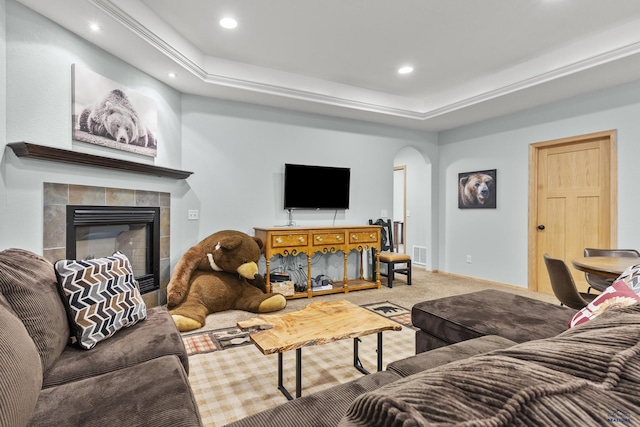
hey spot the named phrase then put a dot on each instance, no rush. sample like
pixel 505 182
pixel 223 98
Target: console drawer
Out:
pixel 371 236
pixel 288 240
pixel 329 238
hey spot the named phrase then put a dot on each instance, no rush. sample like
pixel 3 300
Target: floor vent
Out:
pixel 419 255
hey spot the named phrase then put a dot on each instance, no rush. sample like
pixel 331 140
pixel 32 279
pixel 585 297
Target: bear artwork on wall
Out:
pixel 477 189
pixel 111 115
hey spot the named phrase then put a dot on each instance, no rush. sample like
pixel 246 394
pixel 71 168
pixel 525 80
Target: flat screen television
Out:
pixel 316 187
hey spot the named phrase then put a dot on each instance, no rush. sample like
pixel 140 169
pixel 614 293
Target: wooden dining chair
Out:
pixel 564 288
pixel 600 283
pixel 395 262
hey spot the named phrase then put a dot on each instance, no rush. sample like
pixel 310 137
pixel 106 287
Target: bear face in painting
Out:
pixel 476 190
pixel 115 118
pixel 121 125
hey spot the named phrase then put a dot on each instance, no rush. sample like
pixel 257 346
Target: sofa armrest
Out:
pixel 20 369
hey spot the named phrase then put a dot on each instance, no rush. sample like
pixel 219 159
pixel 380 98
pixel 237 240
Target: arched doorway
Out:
pixel 412 204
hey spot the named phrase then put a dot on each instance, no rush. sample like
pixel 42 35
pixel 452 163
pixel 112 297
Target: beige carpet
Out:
pixel 234 383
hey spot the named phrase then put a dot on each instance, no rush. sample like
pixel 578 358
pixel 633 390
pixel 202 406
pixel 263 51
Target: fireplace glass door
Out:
pixel 98 231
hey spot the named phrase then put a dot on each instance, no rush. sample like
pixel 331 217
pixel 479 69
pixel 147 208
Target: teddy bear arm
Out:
pixel 179 284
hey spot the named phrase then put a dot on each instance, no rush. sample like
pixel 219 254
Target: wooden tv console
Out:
pixel 295 240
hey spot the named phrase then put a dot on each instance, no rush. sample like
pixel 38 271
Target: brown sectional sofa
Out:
pixel 137 377
pixel 515 364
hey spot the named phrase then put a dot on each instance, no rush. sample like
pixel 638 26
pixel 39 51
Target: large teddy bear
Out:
pixel 219 273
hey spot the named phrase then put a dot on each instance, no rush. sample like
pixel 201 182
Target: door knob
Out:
pixel 541 227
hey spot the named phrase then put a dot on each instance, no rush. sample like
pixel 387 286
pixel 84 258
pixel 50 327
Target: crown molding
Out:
pixel 416 109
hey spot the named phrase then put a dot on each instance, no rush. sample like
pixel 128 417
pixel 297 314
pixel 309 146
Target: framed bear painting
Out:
pixel 108 114
pixel 477 190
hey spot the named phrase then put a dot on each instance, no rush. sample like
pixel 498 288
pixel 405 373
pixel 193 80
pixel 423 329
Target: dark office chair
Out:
pixel 396 263
pixel 601 283
pixel 563 285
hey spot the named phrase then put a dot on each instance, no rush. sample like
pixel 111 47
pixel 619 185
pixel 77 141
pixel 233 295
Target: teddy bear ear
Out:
pixel 230 243
pixel 259 242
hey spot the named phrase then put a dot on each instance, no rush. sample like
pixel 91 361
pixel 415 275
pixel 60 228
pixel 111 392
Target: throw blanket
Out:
pixel 586 376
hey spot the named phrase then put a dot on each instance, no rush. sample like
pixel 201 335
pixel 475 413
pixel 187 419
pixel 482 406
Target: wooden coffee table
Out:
pixel 319 323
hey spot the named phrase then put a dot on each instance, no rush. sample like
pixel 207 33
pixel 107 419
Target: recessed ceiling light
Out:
pixel 173 75
pixel 228 23
pixel 405 70
pixel 95 27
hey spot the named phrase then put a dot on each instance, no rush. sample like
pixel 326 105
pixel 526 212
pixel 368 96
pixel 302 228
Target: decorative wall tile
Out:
pixel 147 198
pixel 56 194
pixel 165 221
pixel 85 195
pixel 165 200
pixel 55 226
pixel 165 246
pixel 120 197
pixel 53 255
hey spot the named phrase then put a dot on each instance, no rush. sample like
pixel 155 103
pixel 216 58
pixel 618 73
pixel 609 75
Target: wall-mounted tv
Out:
pixel 316 187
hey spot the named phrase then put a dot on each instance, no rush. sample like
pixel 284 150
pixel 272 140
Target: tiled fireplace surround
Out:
pixel 58 196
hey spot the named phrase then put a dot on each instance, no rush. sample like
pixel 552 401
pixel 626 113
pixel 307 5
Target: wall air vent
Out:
pixel 419 256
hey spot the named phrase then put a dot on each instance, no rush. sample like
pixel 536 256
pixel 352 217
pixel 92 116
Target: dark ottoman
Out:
pixel 458 318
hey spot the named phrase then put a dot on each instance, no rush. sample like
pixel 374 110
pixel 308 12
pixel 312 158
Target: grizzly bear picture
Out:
pixel 114 117
pixel 477 189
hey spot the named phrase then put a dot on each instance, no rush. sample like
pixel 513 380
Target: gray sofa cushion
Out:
pixel 153 337
pixel 489 312
pixel 153 393
pixel 588 375
pixel 20 370
pixel 29 284
pixel 322 409
pixel 440 356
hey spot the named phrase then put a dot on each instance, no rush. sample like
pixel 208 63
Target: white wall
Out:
pixel 497 239
pixel 237 151
pixel 240 151
pixel 3 116
pixel 38 98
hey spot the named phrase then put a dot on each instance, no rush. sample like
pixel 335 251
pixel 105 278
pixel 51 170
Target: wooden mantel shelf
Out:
pixel 35 151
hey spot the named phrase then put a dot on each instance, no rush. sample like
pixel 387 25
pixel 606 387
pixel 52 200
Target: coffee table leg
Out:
pixel 281 386
pixel 356 358
pixel 379 351
pixel 298 372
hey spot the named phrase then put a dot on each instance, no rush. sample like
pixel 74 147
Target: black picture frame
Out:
pixel 477 189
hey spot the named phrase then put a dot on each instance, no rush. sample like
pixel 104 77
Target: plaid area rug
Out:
pixel 216 340
pixel 240 381
pixel 226 338
pixel 391 311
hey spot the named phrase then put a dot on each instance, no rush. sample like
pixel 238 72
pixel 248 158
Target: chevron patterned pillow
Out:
pixel 101 297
